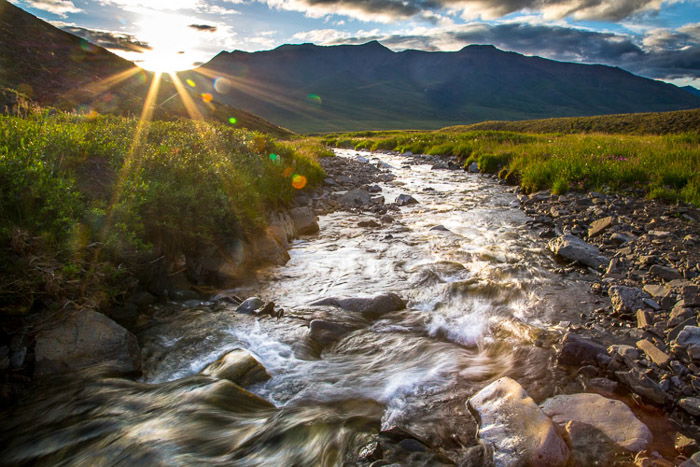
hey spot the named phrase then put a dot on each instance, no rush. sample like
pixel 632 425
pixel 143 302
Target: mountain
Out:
pixel 313 88
pixel 54 68
pixel 693 90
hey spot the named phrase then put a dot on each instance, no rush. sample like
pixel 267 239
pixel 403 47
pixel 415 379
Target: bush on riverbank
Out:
pixel 84 199
pixel 661 166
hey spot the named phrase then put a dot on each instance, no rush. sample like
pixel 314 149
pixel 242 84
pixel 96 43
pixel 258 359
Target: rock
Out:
pixel 644 319
pixel 684 444
pixel 238 366
pixel 599 226
pixel 374 189
pixel 626 300
pixel 691 295
pixel 440 228
pixel 473 168
pixel 573 248
pixel 369 223
pixel 665 273
pixel 404 200
pixel 361 159
pixel 327 333
pixel 304 219
pixel 357 197
pixel 690 405
pixel 689 341
pixel 83 339
pixel 655 354
pixel 373 307
pixel 577 350
pixel 590 446
pixel 515 428
pixel 641 384
pixel 693 461
pixel 183 295
pixel 142 299
pixel 619 238
pixel 17 357
pixel 250 305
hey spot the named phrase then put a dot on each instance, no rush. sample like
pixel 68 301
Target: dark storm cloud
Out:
pixel 108 39
pixel 203 27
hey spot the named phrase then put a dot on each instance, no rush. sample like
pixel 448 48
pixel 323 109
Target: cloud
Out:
pixel 57 7
pixel 662 54
pixel 109 39
pixel 391 10
pixel 203 27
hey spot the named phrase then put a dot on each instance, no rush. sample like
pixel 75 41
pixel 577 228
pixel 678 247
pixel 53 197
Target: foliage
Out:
pixel 70 183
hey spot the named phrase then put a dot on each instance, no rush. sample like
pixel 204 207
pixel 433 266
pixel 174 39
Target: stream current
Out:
pixel 481 301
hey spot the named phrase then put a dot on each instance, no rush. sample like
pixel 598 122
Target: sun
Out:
pixel 171 43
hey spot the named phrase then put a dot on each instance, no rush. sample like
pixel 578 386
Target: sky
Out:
pixel 657 39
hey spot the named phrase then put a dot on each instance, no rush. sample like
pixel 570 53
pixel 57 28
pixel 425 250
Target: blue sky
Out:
pixel 653 38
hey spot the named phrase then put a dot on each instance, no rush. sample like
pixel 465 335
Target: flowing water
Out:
pixel 481 303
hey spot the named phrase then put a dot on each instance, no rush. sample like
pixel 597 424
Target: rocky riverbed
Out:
pixel 437 318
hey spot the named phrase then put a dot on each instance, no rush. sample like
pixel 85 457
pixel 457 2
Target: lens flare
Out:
pixel 314 99
pixel 191 83
pixel 222 85
pixel 233 120
pixel 206 97
pixel 275 158
pixel 298 181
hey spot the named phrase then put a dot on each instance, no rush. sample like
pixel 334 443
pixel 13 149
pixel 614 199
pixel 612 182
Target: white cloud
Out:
pixel 57 7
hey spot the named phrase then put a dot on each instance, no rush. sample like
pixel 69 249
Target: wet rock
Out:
pixel 664 272
pixel 690 405
pixel 357 197
pixel 439 228
pixel 83 339
pixel 327 333
pixel 238 366
pixel 693 461
pixel 304 219
pixel 250 305
pixel 655 354
pixel 405 200
pixel 573 248
pixel 611 417
pixel 599 226
pixel 473 168
pixel 641 384
pixel 373 307
pixel 626 300
pixel 688 340
pixel 684 444
pixel 577 350
pixel 374 189
pixel 515 428
pixel 369 223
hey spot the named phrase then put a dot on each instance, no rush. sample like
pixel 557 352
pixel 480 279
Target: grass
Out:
pixel 657 166
pixel 74 186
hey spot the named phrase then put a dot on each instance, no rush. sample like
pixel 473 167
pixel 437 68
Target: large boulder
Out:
pixel 84 338
pixel 326 332
pixel 304 219
pixel 573 248
pixel 355 198
pixel 577 351
pixel 515 427
pixel 610 417
pixel 372 307
pixel 238 366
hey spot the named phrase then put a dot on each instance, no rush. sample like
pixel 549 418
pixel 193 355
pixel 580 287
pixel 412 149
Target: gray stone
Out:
pixel 327 333
pixel 83 339
pixel 611 417
pixel 573 248
pixel 599 226
pixel 304 219
pixel 440 228
pixel 404 200
pixel 250 305
pixel 238 366
pixel 369 307
pixel 691 295
pixel 689 341
pixel 665 273
pixel 357 197
pixel 626 300
pixel 641 384
pixel 690 405
pixel 473 168
pixel 577 350
pixel 515 428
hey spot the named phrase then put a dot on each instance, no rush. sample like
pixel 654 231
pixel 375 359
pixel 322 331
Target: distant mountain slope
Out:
pixel 656 123
pixel 312 88
pixel 693 90
pixel 55 68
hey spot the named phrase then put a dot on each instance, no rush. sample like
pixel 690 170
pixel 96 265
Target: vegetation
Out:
pixel 658 166
pixel 85 201
pixel 653 123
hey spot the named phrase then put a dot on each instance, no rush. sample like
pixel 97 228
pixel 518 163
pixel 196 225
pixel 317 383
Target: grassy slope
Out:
pixel 658 166
pixel 72 186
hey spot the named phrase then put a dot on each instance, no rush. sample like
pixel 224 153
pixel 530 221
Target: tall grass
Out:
pixel 660 166
pixel 69 183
